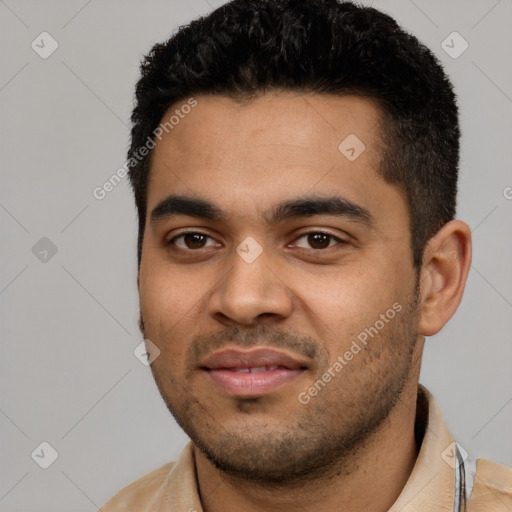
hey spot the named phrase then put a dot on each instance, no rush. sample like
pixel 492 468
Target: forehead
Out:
pixel 254 153
pixel 281 119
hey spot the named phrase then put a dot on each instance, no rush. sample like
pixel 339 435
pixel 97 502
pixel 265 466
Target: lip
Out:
pixel 252 373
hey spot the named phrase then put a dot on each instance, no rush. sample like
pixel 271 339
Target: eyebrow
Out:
pixel 175 205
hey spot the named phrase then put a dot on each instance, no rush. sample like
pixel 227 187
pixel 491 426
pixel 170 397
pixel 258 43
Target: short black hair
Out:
pixel 248 47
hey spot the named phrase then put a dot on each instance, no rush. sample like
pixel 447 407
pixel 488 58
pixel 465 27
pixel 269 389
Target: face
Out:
pixel 277 281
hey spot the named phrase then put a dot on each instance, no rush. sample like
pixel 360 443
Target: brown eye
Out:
pixel 192 241
pixel 318 240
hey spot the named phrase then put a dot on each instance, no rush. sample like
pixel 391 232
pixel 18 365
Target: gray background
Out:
pixel 69 324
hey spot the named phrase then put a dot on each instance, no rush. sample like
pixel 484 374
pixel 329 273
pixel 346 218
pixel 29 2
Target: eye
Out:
pixel 192 241
pixel 318 240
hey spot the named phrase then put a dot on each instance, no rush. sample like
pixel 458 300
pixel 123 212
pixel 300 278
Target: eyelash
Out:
pixel 171 242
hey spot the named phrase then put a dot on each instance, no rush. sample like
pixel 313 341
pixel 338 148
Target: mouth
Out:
pixel 254 373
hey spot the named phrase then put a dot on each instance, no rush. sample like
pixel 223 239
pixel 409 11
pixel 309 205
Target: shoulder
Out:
pixel 492 487
pixel 138 494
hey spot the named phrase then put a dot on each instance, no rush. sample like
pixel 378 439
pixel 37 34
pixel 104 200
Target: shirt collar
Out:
pixel 431 485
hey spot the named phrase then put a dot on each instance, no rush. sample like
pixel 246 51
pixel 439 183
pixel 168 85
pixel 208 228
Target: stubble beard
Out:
pixel 316 439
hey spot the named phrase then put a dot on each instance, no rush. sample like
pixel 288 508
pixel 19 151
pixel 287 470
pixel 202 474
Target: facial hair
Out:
pixel 312 438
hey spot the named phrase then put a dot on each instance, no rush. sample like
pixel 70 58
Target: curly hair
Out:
pixel 248 47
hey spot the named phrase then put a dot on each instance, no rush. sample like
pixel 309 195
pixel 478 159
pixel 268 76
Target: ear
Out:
pixel 445 268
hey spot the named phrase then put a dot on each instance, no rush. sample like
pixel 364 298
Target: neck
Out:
pixel 372 479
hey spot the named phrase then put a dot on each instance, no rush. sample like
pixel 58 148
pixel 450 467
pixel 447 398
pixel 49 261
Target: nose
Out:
pixel 250 291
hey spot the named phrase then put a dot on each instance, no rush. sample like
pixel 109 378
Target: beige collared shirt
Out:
pixel 433 486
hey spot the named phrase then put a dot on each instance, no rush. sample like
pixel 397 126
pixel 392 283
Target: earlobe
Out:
pixel 446 263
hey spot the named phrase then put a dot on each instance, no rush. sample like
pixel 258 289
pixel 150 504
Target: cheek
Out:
pixel 164 299
pixel 339 306
pixel 170 304
pixel 347 293
pixel 163 309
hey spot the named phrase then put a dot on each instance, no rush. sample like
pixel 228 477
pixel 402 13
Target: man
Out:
pixel 294 166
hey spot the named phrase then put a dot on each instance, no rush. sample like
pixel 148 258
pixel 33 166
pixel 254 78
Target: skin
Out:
pixel 353 444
